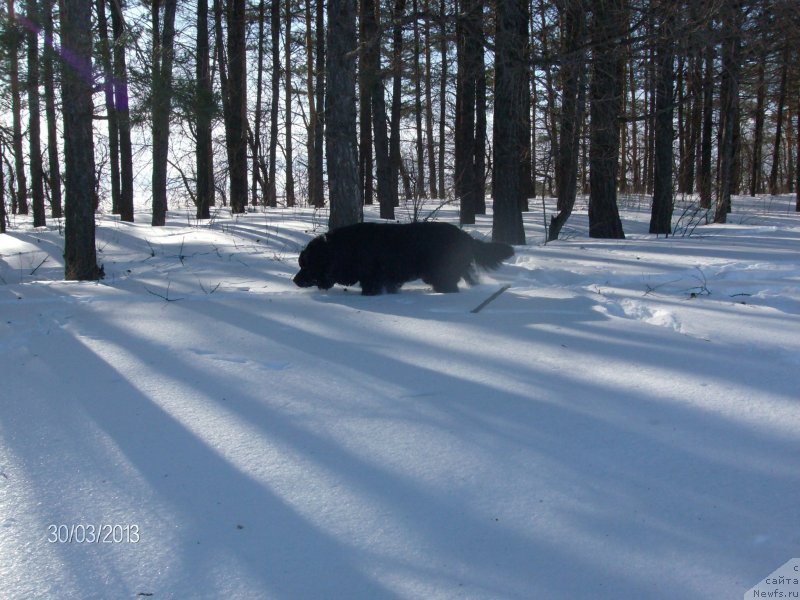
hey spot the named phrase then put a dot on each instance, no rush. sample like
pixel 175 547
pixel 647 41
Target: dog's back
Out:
pixel 384 256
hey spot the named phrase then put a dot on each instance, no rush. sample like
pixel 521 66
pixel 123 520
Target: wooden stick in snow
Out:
pixel 490 298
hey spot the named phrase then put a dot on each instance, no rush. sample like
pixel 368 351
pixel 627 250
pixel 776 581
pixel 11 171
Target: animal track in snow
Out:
pixel 654 316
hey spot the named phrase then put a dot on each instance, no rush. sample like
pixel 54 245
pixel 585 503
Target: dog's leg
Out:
pixel 371 287
pixel 445 286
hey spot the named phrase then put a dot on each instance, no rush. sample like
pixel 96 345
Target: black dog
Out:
pixel 384 256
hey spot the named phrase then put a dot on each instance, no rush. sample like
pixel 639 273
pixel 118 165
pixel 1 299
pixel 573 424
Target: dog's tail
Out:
pixel 489 255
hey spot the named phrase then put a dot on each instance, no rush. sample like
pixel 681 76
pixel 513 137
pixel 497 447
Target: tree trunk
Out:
pixel 758 134
pixel 434 192
pixel 163 54
pixel 442 92
pixel 318 184
pixel 19 204
pixel 789 162
pixel 342 155
pixel 381 150
pixel 258 182
pixel 80 255
pixel 467 36
pixel 479 159
pixel 419 189
pixel 635 161
pixel 695 119
pixel 774 188
pixel 650 102
pixel 623 138
pixel 680 93
pixel 236 131
pixel 729 108
pixel 527 166
pixel 54 165
pixel 111 113
pixel 365 157
pixel 34 122
pixel 373 86
pixel 704 176
pixel 510 136
pixel 289 147
pixel 550 119
pixel 123 115
pixel 204 112
pixel 608 29
pixel 573 76
pixel 661 214
pixel 2 201
pixel 222 67
pixel 275 25
pixel 312 105
pixel 797 163
pixel 394 122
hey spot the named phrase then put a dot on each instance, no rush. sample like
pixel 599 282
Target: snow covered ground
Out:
pixel 623 422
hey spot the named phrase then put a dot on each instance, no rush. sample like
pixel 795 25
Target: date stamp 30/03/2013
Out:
pixel 90 533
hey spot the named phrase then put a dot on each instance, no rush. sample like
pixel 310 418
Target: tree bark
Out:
pixel 661 213
pixel 123 114
pixel 774 188
pixel 797 163
pixel 607 64
pixel 111 113
pixel 222 67
pixel 54 164
pixel 312 104
pixel 758 133
pixel 342 155
pixel 80 255
pixel 258 182
pixel 434 192
pixel 510 136
pixel 34 126
pixel 650 103
pixel 289 146
pixel 695 119
pixel 318 183
pixel 635 160
pixel 365 156
pixel 443 38
pixel 550 116
pixel 204 111
pixel 275 25
pixel 19 204
pixel 373 88
pixel 729 108
pixel 704 175
pixel 163 54
pixel 394 121
pixel 236 131
pixel 2 201
pixel 479 158
pixel 419 188
pixel 467 36
pixel 573 75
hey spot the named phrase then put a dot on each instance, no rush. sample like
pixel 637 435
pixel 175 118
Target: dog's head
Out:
pixel 316 265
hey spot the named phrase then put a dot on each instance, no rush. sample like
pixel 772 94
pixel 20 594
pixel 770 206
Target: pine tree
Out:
pixel 510 135
pixel 608 27
pixel 342 155
pixel 80 255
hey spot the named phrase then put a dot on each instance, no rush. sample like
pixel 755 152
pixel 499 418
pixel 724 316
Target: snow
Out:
pixel 621 423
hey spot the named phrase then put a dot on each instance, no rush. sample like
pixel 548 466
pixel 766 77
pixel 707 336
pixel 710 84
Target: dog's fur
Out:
pixel 384 256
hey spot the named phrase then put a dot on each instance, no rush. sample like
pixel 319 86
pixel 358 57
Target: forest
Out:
pixel 133 107
pixel 610 414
